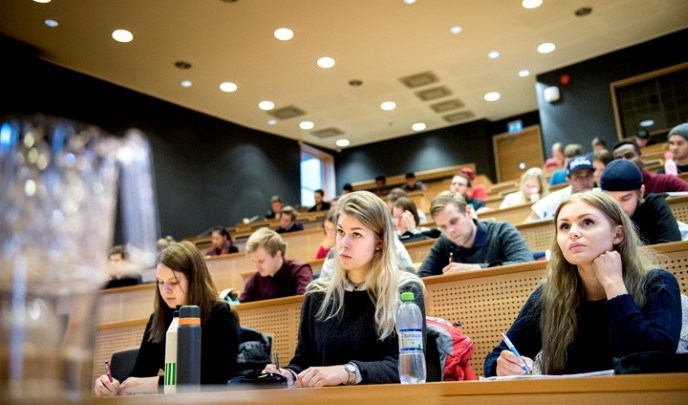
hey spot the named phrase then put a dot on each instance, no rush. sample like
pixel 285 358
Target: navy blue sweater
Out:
pixel 607 329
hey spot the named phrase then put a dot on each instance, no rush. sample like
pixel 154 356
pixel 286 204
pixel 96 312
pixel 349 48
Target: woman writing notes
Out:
pixel 603 297
pixel 346 334
pixel 183 279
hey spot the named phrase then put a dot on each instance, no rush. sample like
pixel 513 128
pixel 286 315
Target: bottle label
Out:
pixel 170 373
pixel 410 340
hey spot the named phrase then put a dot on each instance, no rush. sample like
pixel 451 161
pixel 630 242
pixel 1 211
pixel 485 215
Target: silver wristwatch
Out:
pixel 351 370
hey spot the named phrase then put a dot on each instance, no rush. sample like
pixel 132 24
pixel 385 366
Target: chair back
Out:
pixel 122 363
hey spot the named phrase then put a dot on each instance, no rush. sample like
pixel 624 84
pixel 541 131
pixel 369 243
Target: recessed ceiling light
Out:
pixel 388 105
pixel 409 1
pixel 418 126
pixel 531 3
pixel 342 143
pixel 647 123
pixel 493 55
pixel 186 83
pixel 546 47
pixel 326 62
pixel 306 125
pixel 228 87
pixel 266 105
pixel 492 96
pixel 456 29
pixel 122 35
pixel 42 1
pixel 272 121
pixel 284 34
pixel 524 73
pixel 51 23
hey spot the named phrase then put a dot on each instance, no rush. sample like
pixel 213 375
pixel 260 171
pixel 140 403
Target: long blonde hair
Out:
pixel 384 278
pixel 537 174
pixel 563 291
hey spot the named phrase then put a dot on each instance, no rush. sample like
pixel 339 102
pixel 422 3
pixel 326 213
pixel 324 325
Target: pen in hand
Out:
pixel 108 371
pixel 514 351
pixel 276 360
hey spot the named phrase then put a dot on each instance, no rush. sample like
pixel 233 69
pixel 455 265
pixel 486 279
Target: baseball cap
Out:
pixel 578 163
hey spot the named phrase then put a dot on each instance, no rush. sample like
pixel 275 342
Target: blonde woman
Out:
pixel 532 181
pixel 603 297
pixel 347 331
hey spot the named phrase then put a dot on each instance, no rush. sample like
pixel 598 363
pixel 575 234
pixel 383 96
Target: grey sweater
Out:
pixel 496 243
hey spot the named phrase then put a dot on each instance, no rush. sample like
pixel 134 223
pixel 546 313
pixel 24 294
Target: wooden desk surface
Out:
pixel 634 389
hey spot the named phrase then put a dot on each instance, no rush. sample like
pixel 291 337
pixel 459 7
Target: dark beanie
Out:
pixel 681 129
pixel 621 175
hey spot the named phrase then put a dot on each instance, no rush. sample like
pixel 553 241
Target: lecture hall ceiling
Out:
pixel 374 44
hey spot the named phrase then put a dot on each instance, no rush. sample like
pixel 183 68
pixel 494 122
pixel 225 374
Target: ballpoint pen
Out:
pixel 108 371
pixel 514 351
pixel 276 358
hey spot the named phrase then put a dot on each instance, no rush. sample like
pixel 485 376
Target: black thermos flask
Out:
pixel 189 349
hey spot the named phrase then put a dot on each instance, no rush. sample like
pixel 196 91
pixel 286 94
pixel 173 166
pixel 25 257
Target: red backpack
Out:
pixel 454 347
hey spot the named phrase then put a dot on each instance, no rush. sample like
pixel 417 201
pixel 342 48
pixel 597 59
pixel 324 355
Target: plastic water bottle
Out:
pixel 669 164
pixel 171 355
pixel 534 194
pixel 189 349
pixel 410 331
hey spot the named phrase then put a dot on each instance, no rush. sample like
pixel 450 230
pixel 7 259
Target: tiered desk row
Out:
pixel 662 389
pixel 485 301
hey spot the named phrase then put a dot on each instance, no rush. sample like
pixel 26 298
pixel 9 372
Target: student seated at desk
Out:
pixel 122 272
pixel 183 279
pixel 650 213
pixel 406 222
pixel 533 186
pixel 347 330
pixel 468 244
pixel 288 222
pixel 603 297
pixel 275 276
pixel 328 228
pixel 221 243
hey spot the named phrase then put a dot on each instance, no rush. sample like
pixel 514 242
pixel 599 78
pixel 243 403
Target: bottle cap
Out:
pixel 407 296
pixel 190 311
pixel 668 155
pixel 175 314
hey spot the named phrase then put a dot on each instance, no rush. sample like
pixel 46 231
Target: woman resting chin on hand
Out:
pixel 603 298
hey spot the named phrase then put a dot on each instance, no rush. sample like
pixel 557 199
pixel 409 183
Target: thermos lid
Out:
pixel 190 311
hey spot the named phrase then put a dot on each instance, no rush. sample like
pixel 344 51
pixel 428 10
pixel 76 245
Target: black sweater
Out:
pixel 352 337
pixel 655 222
pixel 219 347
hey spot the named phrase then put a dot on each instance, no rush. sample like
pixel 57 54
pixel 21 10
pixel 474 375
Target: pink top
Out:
pixel 322 252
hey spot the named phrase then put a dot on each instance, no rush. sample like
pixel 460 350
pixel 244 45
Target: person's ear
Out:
pixel 619 235
pixel 469 211
pixel 642 190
